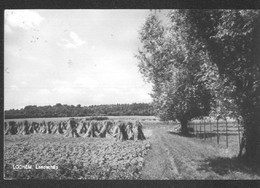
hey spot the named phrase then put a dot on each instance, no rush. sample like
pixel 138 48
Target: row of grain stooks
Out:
pixel 119 130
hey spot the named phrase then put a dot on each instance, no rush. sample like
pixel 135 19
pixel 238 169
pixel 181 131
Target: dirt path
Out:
pixel 176 157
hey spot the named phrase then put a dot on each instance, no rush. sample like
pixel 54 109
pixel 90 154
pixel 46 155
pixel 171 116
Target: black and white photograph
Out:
pixel 131 94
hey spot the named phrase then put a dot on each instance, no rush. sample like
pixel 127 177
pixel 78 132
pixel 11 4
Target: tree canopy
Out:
pixel 205 62
pixel 168 59
pixel 232 39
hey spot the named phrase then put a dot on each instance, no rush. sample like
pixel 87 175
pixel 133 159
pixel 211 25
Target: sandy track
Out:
pixel 176 157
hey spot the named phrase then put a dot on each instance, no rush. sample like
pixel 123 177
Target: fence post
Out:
pixel 204 129
pixel 210 134
pixel 226 134
pixel 200 129
pixel 189 127
pixel 217 133
pixel 195 129
pixel 238 129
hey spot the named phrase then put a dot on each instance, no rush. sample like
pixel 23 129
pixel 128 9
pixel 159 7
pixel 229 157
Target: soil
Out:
pixel 75 158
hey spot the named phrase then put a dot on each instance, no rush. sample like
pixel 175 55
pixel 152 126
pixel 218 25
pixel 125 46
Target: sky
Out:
pixel 72 57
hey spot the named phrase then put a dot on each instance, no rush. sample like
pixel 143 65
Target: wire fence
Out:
pixel 208 129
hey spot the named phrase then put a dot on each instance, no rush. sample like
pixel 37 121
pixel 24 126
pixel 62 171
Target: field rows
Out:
pixel 76 158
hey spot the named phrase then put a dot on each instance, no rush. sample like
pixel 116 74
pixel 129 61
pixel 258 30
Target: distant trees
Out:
pixel 205 61
pixel 59 110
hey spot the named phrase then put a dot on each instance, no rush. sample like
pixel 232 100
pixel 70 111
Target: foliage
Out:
pixel 60 110
pixel 213 50
pixel 231 38
pixel 169 60
pixel 98 118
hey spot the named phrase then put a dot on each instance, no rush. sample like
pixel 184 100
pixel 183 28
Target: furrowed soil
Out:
pixel 75 158
pixel 176 157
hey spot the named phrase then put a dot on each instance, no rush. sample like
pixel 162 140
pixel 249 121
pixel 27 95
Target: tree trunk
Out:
pixel 184 127
pixel 250 144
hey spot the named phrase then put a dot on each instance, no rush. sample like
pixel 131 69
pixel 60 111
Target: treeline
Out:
pixel 63 110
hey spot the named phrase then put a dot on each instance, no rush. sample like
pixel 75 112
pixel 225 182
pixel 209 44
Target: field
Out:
pixel 165 154
pixel 76 158
pixel 72 158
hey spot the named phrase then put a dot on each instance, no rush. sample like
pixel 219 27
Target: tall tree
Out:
pixel 169 60
pixel 222 104
pixel 232 39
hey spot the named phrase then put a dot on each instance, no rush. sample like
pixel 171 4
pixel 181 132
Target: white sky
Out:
pixel 72 57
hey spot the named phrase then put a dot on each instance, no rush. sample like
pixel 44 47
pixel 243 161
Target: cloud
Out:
pixel 66 90
pixel 14 87
pixel 70 45
pixel 84 81
pixel 73 41
pixel 60 83
pixel 25 19
pixel 100 96
pixel 24 83
pixel 76 39
pixel 43 73
pixel 44 92
pixel 65 87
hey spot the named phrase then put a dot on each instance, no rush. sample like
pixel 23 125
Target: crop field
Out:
pixel 75 158
pixel 26 156
pixel 164 154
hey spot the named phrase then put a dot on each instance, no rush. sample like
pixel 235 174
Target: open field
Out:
pixel 163 155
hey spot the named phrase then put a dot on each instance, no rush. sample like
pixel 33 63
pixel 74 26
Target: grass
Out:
pixel 232 168
pixel 199 158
